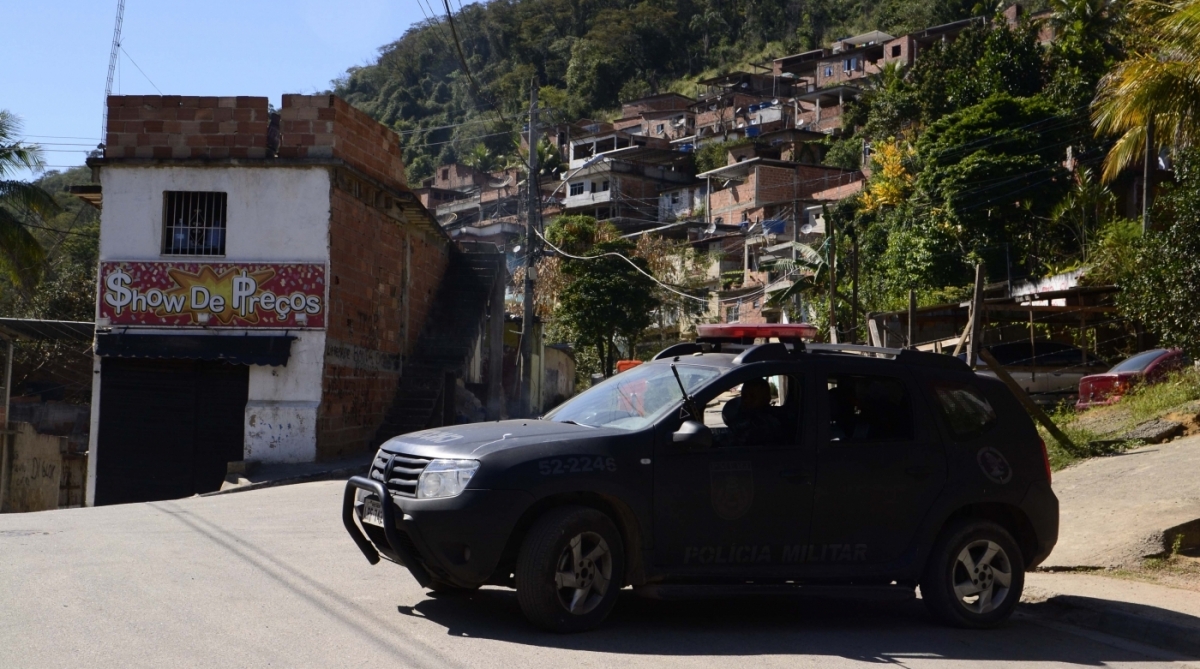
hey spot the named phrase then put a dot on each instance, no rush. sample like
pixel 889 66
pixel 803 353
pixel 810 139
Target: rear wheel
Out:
pixel 570 569
pixel 974 576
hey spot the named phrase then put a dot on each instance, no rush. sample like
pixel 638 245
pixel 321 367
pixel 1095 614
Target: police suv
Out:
pixel 725 467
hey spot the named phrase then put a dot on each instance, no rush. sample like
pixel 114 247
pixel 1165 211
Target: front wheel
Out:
pixel 974 576
pixel 570 569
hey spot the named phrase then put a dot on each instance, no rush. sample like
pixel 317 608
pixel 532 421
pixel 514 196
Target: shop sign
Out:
pixel 264 295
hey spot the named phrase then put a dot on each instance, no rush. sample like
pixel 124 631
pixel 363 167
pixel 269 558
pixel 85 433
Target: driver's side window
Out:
pixel 758 412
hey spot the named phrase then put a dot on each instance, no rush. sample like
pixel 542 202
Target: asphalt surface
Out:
pixel 1113 510
pixel 269 578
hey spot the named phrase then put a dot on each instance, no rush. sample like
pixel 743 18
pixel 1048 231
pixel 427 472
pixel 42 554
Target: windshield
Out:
pixel 634 399
pixel 1139 362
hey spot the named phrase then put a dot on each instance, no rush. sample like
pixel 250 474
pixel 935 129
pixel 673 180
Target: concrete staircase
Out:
pixel 458 317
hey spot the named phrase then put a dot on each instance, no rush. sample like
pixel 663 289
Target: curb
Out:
pixel 330 474
pixel 1114 619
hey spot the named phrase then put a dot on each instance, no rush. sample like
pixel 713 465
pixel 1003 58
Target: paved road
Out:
pixel 1114 510
pixel 269 579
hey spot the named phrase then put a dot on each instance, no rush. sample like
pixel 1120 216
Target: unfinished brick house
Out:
pixel 269 290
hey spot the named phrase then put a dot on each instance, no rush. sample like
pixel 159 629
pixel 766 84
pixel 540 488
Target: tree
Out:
pixel 982 62
pixel 989 176
pixel 21 255
pixel 604 297
pixel 1086 42
pixel 1159 290
pixel 1157 85
pixel 480 157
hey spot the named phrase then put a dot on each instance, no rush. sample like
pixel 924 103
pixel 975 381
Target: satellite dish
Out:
pixel 806 228
pixel 517 248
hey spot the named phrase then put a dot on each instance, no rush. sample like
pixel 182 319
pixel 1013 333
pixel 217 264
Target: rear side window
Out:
pixel 967 412
pixel 868 409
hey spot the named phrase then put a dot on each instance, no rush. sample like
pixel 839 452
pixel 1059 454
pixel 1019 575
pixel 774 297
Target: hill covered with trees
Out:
pixel 589 55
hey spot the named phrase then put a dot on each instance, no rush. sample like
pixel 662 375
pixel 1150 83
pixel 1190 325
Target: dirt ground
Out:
pixel 1175 571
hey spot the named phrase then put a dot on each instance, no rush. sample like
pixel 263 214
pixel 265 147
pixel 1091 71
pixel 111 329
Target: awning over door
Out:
pixel 241 350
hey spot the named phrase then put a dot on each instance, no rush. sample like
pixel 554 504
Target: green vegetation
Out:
pixel 604 298
pixel 1095 431
pixel 588 57
pixel 21 253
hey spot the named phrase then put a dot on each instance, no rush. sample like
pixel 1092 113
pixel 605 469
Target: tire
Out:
pixel 443 588
pixel 570 569
pixel 974 576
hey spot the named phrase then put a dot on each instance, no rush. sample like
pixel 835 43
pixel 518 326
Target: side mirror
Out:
pixel 694 434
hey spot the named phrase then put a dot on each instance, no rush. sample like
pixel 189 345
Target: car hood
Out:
pixel 476 440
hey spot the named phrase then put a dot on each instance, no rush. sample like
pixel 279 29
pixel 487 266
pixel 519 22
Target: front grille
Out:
pixel 399 472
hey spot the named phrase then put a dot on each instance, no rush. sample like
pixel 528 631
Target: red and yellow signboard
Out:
pixel 264 295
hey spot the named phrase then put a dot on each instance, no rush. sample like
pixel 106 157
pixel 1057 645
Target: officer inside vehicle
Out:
pixel 749 417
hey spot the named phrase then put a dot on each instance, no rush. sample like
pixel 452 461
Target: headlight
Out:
pixel 445 478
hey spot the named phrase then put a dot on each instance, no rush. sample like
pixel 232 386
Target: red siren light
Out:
pixel 740 331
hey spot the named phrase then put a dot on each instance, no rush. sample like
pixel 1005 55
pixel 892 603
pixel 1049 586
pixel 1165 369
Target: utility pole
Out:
pixel 830 232
pixel 912 317
pixel 974 346
pixel 527 329
pixel 1148 176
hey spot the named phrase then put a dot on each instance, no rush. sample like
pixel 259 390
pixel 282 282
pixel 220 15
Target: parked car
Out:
pixel 725 468
pixel 1048 371
pixel 1146 367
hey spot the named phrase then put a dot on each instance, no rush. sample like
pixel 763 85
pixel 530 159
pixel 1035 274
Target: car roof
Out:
pixel 730 354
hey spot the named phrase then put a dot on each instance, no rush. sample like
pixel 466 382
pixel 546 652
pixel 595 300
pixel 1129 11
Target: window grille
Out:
pixel 576 189
pixel 194 223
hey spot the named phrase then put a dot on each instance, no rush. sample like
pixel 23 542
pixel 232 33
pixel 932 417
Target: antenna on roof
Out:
pixel 112 66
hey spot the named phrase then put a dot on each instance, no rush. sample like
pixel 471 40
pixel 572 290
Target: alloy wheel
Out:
pixel 584 573
pixel 982 576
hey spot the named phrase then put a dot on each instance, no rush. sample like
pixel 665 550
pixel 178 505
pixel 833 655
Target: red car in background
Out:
pixel 1146 367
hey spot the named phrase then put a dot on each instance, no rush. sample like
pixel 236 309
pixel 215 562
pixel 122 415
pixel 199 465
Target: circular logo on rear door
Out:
pixel 994 465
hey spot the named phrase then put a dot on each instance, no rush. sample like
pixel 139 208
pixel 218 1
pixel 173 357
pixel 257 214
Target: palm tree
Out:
pixel 1157 87
pixel 480 157
pixel 21 255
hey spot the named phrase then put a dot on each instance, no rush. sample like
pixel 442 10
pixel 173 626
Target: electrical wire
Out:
pixel 139 67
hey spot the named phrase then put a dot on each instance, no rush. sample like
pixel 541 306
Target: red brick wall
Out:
pixel 326 126
pixel 367 313
pixel 200 127
pixel 186 127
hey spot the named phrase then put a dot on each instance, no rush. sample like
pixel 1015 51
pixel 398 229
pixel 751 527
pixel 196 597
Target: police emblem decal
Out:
pixel 994 465
pixel 732 488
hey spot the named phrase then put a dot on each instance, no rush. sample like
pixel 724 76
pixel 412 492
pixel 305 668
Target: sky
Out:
pixel 57 52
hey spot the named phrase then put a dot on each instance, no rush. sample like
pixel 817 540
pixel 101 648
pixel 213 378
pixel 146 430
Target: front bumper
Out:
pixel 456 540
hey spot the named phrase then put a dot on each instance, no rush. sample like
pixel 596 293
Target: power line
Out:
pixel 139 67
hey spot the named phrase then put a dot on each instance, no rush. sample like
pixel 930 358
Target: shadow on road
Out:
pixel 884 632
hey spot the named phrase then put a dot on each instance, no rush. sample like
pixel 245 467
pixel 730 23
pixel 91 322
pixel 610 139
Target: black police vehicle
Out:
pixel 724 467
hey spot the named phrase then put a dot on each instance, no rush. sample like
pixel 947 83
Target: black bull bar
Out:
pixel 399 552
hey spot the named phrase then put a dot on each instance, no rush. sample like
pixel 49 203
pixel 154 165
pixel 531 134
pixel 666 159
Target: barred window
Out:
pixel 194 223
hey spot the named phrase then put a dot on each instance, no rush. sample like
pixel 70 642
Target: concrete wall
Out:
pixel 35 471
pixel 273 215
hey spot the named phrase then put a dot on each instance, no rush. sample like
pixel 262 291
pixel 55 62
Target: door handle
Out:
pixel 796 476
pixel 917 471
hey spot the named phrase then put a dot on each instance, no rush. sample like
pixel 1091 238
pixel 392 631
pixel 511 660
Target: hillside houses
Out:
pixel 639 171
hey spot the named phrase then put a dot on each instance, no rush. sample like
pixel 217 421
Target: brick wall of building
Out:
pixel 326 126
pixel 383 276
pixel 190 127
pixel 186 127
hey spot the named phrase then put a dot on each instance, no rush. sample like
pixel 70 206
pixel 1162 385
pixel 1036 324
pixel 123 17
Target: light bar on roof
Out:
pixel 739 331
